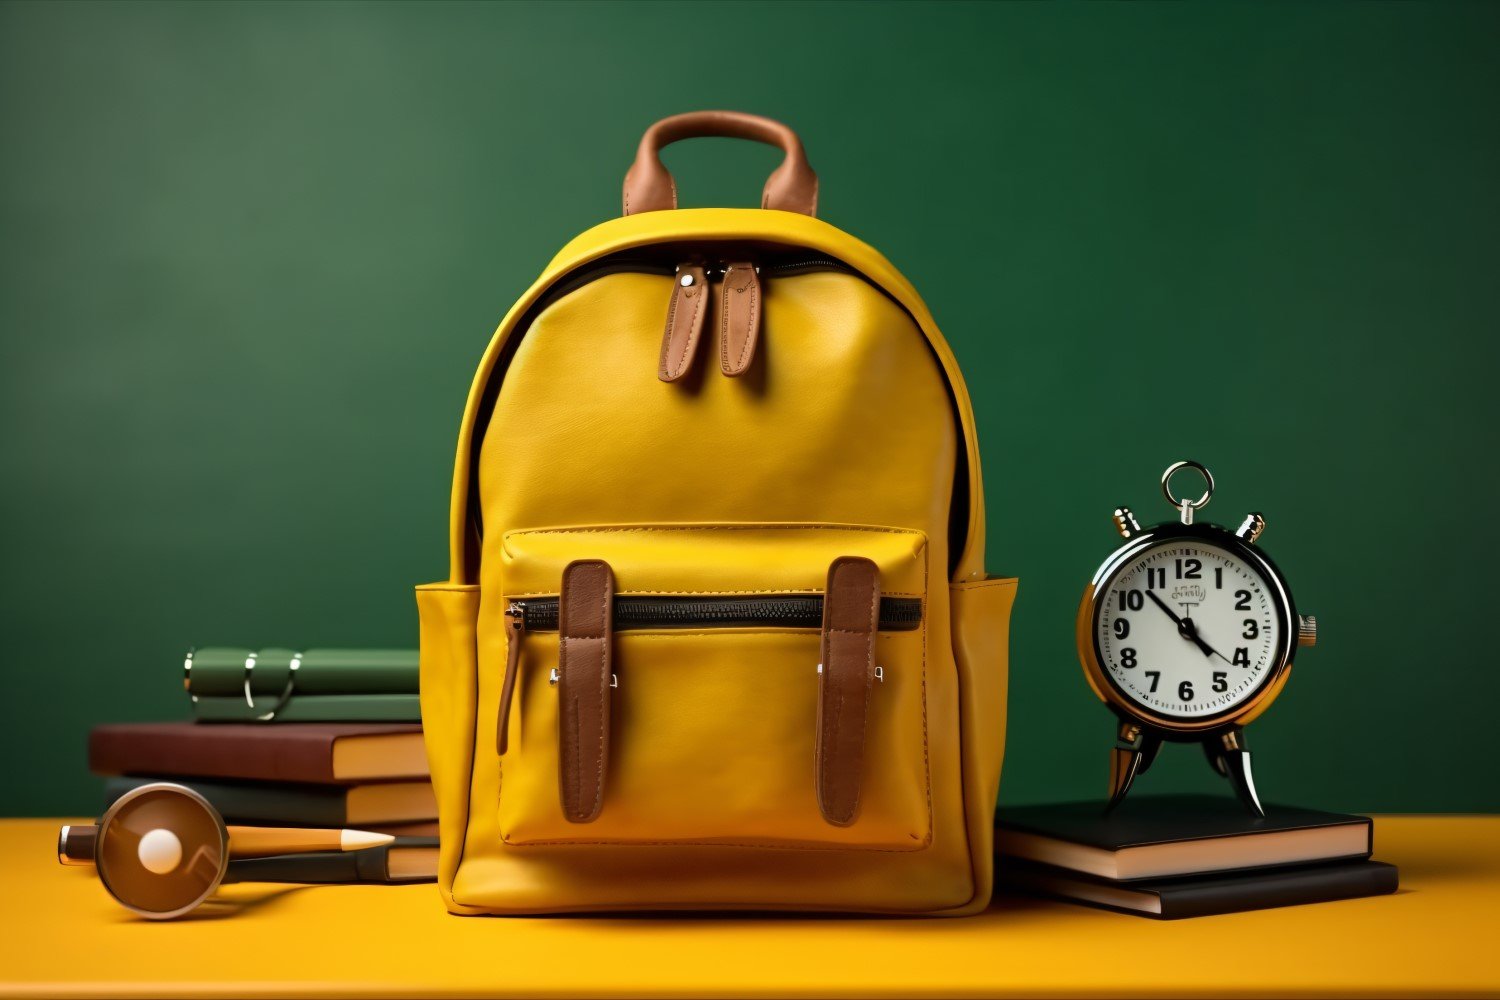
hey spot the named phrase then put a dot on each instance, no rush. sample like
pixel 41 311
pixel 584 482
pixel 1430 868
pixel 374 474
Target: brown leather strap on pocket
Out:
pixel 739 325
pixel 585 668
pixel 851 614
pixel 687 314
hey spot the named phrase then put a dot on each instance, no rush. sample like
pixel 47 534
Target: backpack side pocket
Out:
pixel 447 614
pixel 981 650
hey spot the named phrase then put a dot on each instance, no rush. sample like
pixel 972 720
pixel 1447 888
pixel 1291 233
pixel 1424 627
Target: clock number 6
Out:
pixel 1185 690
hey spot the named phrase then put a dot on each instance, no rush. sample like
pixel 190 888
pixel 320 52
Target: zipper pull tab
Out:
pixel 515 631
pixel 739 324
pixel 687 314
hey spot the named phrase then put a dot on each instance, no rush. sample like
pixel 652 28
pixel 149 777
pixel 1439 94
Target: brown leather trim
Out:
pixel 649 187
pixel 739 322
pixel 851 612
pixel 687 314
pixel 515 632
pixel 585 666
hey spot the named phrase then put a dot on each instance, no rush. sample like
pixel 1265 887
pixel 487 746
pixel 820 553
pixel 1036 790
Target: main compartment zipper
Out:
pixel 539 614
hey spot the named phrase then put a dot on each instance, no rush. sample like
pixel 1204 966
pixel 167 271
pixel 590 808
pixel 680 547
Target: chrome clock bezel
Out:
pixel 1108 691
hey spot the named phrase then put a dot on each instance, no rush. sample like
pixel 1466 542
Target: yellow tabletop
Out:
pixel 60 934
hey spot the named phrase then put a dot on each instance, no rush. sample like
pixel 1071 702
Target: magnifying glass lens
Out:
pixel 162 850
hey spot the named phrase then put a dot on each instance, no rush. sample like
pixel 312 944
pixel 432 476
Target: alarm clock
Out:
pixel 1187 633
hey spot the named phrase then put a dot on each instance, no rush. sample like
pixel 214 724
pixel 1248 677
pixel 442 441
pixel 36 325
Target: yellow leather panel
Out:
pixel 797 439
pixel 446 616
pixel 714 558
pixel 712 742
pixel 981 646
pixel 784 229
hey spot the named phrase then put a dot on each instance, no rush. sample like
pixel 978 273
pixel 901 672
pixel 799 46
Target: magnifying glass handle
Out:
pixel 75 844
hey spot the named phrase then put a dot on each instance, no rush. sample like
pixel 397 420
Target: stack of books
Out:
pixel 1187 855
pixel 311 743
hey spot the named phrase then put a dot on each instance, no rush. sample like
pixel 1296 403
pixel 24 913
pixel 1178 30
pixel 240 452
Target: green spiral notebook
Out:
pixel 235 684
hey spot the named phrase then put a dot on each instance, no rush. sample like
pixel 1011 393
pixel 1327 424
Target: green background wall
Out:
pixel 252 253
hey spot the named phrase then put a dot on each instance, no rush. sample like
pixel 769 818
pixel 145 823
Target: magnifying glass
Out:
pixel 162 849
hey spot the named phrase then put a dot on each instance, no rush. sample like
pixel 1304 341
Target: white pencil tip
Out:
pixel 356 840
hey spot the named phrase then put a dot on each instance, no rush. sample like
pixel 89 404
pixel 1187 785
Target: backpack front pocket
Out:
pixel 668 685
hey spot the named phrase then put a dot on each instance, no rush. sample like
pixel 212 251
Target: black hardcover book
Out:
pixel 1162 836
pixel 1206 895
pixel 408 859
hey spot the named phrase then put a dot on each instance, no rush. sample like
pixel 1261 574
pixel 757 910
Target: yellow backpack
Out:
pixel 717 632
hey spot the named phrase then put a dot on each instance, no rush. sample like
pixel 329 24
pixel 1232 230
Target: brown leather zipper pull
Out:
pixel 515 631
pixel 687 314
pixel 585 673
pixel 851 616
pixel 739 324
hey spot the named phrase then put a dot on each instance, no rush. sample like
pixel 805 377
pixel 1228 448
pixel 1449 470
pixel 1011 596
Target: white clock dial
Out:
pixel 1187 629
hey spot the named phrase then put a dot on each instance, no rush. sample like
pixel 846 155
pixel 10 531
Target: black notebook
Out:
pixel 1163 836
pixel 1206 895
pixel 408 859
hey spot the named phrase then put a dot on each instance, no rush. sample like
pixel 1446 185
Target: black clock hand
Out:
pixel 1185 626
pixel 1203 643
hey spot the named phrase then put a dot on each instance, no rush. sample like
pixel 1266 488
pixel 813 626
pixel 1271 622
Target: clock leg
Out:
pixel 1213 750
pixel 1149 751
pixel 1236 760
pixel 1132 754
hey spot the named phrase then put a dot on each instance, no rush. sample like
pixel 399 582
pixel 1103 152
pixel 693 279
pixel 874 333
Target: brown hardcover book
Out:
pixel 307 752
pixel 427 829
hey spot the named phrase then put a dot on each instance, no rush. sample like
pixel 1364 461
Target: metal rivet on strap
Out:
pixel 553 677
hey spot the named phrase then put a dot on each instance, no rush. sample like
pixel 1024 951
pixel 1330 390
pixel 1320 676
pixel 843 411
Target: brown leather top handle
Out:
pixel 792 187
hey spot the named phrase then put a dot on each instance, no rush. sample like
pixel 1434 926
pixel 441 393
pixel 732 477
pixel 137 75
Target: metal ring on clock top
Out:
pixel 1166 485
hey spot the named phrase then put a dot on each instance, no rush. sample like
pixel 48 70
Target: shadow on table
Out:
pixel 1002 909
pixel 220 907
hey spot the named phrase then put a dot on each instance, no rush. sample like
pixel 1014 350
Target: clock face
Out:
pixel 1188 629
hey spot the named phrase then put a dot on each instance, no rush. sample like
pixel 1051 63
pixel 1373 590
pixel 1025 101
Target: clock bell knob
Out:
pixel 1251 527
pixel 1307 630
pixel 1125 523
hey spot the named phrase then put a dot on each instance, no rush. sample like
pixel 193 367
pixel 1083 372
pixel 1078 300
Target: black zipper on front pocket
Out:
pixel 897 614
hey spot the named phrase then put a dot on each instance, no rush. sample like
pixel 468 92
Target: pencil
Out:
pixel 266 841
pixel 75 843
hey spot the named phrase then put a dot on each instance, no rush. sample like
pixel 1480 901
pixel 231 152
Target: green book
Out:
pixel 312 708
pixel 222 670
pixel 284 803
pixel 233 684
